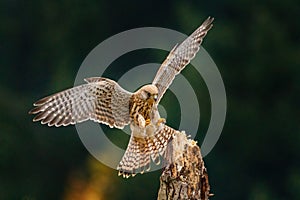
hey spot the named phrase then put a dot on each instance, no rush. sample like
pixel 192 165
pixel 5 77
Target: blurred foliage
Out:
pixel 254 43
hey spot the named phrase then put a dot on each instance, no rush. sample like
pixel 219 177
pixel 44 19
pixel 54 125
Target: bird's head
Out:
pixel 148 93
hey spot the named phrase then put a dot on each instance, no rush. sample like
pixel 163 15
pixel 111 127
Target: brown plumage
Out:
pixel 104 101
pixel 179 57
pixel 141 150
pixel 141 103
pixel 101 100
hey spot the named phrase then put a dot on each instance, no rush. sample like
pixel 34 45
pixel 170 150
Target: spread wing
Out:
pixel 179 57
pixel 100 99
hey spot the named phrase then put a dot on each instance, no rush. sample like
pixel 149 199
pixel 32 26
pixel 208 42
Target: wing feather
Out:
pixel 179 57
pixel 100 99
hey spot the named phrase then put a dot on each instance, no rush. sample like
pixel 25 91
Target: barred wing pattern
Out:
pixel 103 100
pixel 179 57
pixel 141 150
pixel 100 99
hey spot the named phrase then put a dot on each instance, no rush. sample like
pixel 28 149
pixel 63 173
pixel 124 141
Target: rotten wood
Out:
pixel 184 176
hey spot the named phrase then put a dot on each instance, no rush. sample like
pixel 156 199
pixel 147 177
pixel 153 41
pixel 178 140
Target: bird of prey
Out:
pixel 105 101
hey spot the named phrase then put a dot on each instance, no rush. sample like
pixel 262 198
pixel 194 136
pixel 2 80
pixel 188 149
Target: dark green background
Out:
pixel 255 45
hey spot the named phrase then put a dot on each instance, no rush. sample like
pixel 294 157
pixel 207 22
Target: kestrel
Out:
pixel 105 101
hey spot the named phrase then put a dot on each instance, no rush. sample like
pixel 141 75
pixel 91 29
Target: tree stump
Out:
pixel 184 175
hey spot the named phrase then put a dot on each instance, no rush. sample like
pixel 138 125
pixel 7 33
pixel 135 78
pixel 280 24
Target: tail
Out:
pixel 140 151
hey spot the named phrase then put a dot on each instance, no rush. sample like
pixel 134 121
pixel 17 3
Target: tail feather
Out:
pixel 141 150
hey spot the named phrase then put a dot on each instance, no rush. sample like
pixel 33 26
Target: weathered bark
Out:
pixel 185 176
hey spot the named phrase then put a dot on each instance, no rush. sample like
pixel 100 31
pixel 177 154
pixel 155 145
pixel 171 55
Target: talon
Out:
pixel 161 121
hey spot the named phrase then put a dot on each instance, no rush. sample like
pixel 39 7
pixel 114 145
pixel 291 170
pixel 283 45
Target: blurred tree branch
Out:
pixel 185 176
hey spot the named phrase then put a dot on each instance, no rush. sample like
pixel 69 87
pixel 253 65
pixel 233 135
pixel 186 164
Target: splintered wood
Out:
pixel 185 176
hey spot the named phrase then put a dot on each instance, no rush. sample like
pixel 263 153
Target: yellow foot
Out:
pixel 148 121
pixel 161 121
